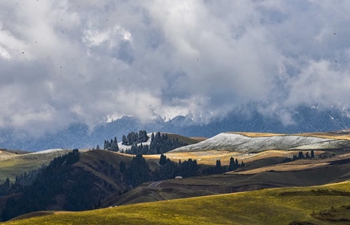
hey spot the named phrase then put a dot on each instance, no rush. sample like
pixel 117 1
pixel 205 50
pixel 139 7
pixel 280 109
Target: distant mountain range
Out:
pixel 306 119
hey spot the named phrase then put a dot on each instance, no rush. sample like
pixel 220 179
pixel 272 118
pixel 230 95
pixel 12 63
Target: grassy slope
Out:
pixel 269 206
pixel 91 162
pixel 330 135
pixel 186 140
pixel 12 164
pixel 239 181
pixel 210 157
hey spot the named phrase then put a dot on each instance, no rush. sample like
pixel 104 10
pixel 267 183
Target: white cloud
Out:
pixel 88 61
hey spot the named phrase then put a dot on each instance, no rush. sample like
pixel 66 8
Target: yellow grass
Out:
pixel 199 138
pixel 210 157
pixel 326 135
pixel 283 167
pixel 269 206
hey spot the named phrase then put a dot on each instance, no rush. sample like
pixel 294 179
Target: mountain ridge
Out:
pixel 79 135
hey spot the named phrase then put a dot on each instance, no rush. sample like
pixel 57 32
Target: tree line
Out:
pixel 45 187
pixel 138 171
pixel 160 143
pixel 135 138
pixel 300 155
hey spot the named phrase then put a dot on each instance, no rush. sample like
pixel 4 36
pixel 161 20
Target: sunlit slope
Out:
pixel 257 176
pixel 12 165
pixel 245 144
pixel 269 206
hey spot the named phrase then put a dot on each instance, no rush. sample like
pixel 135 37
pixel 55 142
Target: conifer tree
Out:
pixel 307 155
pixel 312 154
pixel 218 168
pixel 301 155
pixel 232 164
pixel 162 160
pixel 124 140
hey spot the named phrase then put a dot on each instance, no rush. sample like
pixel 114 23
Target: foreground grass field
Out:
pixel 269 206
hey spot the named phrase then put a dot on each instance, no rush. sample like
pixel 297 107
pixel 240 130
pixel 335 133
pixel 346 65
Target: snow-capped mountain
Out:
pixel 305 119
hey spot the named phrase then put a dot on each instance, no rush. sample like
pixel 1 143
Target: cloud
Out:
pixel 88 61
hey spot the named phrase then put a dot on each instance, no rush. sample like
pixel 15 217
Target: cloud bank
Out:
pixel 87 61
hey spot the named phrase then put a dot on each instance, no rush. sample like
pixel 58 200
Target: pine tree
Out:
pixel 124 140
pixel 301 155
pixel 232 164
pixel 122 166
pixel 312 154
pixel 307 155
pixel 106 145
pixel 7 183
pixel 162 160
pixel 218 168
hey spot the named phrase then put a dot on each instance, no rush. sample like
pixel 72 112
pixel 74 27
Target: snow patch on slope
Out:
pixel 54 150
pixel 241 143
pixel 128 147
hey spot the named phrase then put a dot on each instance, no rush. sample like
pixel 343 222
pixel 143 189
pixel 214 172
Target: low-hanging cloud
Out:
pixel 88 61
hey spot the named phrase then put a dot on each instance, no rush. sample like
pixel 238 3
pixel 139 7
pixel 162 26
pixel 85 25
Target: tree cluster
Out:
pixel 300 156
pixel 45 187
pixel 5 187
pixel 160 143
pixel 135 138
pixel 111 145
pixel 138 172
pixel 169 169
pixel 218 169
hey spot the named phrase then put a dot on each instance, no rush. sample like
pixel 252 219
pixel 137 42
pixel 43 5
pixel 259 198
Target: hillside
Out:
pixel 320 205
pixel 261 173
pixel 75 181
pixel 101 178
pixel 14 164
pixel 151 143
pixel 243 143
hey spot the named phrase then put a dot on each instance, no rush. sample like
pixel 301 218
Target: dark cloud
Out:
pixel 88 61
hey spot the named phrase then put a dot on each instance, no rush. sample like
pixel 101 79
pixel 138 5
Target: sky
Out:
pixel 94 61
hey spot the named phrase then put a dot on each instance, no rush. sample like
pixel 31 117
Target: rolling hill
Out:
pixel 328 204
pixel 16 163
pixel 185 140
pixel 267 174
pixel 245 144
pixel 73 181
pixel 96 179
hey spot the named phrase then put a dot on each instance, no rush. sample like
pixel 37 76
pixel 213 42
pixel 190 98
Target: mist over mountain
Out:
pixel 78 135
